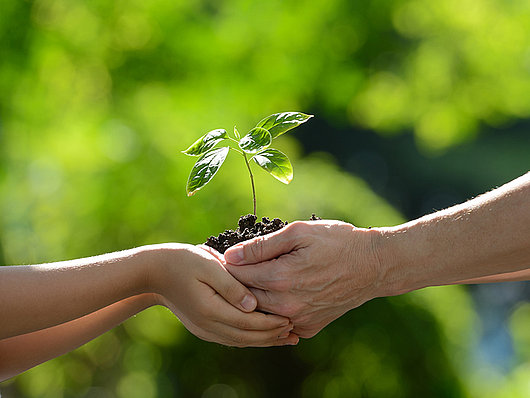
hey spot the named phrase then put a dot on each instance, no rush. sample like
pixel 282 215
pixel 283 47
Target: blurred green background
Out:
pixel 419 105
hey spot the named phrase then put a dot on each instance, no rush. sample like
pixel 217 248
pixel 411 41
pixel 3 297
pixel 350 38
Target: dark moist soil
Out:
pixel 248 228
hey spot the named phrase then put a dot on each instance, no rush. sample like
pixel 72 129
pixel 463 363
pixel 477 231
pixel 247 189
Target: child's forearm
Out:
pixel 25 351
pixel 35 297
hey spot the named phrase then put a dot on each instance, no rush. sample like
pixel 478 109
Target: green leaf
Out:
pixel 205 168
pixel 276 163
pixel 236 133
pixel 206 142
pixel 279 123
pixel 256 140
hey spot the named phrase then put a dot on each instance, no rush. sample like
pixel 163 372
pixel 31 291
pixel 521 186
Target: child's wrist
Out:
pixel 155 260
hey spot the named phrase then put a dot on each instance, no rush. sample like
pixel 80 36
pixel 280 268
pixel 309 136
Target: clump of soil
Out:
pixel 248 228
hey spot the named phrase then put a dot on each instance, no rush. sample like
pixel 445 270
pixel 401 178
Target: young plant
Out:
pixel 255 146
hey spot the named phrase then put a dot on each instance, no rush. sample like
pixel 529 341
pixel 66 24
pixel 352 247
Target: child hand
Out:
pixel 193 283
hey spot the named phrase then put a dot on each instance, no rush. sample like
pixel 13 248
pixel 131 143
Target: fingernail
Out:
pixel 249 302
pixel 284 334
pixel 285 323
pixel 234 255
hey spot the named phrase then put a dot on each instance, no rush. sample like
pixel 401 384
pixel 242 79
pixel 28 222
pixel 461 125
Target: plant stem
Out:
pixel 251 181
pixel 249 172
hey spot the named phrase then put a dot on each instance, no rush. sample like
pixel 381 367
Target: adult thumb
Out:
pixel 262 248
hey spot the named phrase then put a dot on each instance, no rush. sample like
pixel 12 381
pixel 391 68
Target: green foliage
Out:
pixel 205 168
pixel 256 143
pixel 276 163
pixel 256 140
pixel 206 142
pixel 279 123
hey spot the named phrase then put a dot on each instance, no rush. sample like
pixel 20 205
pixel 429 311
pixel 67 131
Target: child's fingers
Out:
pixel 226 313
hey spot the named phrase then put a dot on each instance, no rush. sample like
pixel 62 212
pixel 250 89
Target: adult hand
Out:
pixel 211 304
pixel 312 272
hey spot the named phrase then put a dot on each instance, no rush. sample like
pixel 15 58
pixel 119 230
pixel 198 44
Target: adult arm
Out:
pixel 516 276
pixel 486 239
pixel 313 272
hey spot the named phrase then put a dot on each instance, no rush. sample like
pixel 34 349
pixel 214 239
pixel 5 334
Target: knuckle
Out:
pixel 232 291
pixel 238 341
pixel 255 250
pixel 296 228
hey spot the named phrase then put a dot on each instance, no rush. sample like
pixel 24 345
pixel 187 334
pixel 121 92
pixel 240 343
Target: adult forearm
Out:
pixel 20 353
pixel 516 276
pixel 486 236
pixel 34 297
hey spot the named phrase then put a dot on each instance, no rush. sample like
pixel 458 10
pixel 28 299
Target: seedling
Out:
pixel 253 146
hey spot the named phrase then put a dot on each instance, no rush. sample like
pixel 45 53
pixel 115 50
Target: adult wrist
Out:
pixel 396 261
pixel 368 269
